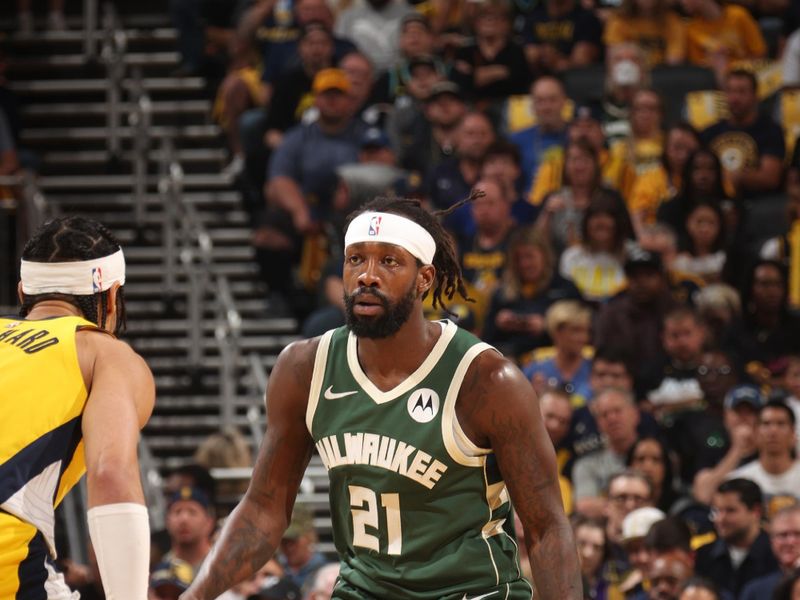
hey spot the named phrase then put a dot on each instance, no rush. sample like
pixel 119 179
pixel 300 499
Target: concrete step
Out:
pixel 189 422
pixel 247 308
pixel 86 203
pixel 221 254
pixel 79 135
pixel 63 87
pixel 99 158
pixel 180 346
pixel 192 405
pixel 102 183
pixel 71 41
pixel 170 327
pixel 155 272
pixel 70 109
pixel 141 290
pixel 50 63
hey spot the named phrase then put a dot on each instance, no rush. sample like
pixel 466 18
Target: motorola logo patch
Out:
pixel 423 405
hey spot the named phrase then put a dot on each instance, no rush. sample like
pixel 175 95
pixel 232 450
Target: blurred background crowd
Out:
pixel 634 245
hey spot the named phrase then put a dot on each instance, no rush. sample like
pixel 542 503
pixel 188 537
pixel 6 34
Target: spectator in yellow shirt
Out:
pixel 717 35
pixel 650 24
pixel 662 183
pixel 615 172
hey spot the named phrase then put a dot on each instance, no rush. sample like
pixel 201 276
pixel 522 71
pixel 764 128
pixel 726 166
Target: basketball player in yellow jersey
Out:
pixel 72 400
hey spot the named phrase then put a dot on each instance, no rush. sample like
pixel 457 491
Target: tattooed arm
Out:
pixel 254 529
pixel 498 408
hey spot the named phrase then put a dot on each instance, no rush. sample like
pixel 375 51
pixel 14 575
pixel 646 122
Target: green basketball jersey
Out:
pixel 419 511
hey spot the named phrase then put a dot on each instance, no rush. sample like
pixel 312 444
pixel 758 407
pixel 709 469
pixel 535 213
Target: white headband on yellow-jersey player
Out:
pixel 392 229
pixel 81 278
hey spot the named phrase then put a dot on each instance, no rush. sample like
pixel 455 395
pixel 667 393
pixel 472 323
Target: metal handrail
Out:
pixel 188 245
pixel 115 41
pixel 139 120
pixel 89 28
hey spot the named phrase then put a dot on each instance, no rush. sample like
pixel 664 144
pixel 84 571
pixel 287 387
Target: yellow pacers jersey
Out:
pixel 42 397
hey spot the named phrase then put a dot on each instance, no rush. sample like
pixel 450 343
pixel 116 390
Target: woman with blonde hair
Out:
pixel 529 286
pixel 567 365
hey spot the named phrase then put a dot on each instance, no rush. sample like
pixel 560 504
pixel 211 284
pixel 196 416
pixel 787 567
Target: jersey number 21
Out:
pixel 364 508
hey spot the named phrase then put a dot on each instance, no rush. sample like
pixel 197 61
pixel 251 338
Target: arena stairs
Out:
pixel 64 113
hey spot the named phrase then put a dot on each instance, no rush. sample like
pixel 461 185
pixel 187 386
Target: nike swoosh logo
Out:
pixel 479 597
pixel 331 395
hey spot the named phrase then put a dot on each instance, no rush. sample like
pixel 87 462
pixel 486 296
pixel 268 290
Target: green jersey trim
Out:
pixel 380 397
pixel 320 360
pixel 460 448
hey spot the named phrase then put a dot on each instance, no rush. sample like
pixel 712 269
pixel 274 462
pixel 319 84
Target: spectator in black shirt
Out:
pixel 316 53
pixel 493 67
pixel 560 34
pixel 742 550
pixel 767 330
pixel 749 145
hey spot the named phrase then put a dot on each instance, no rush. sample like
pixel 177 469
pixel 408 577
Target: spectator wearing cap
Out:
pixel 298 555
pixel 633 319
pixel 784 538
pixel 268 582
pixel 776 470
pixel 635 527
pixel 561 34
pixel 535 143
pixel 615 172
pixel 740 415
pixel 170 579
pixel 626 74
pixel 672 384
pixel 190 523
pixel 742 550
pixel 425 144
pixel 275 30
pixel 493 67
pixel 749 145
pixel 452 179
pixel 375 28
pixel 302 178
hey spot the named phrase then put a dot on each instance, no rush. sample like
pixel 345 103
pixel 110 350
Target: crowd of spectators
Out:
pixel 633 244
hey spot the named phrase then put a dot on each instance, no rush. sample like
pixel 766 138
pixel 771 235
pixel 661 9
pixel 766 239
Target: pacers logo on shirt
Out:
pixel 423 405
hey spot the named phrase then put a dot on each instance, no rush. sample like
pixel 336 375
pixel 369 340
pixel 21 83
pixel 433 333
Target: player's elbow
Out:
pixel 109 481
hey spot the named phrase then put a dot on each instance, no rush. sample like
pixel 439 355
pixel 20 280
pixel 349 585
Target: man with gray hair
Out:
pixel 617 417
pixel 323 582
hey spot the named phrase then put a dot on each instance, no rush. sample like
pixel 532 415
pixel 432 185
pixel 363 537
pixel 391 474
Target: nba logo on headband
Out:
pixel 375 225
pixel 97 279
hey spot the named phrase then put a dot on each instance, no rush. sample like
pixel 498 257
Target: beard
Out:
pixel 383 325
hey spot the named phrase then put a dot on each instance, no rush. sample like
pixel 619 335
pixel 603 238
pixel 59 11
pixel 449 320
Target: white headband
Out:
pixel 392 229
pixel 82 278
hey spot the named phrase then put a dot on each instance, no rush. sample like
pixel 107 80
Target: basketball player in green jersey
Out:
pixel 427 434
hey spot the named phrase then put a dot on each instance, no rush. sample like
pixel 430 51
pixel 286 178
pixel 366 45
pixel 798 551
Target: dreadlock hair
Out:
pixel 67 239
pixel 448 279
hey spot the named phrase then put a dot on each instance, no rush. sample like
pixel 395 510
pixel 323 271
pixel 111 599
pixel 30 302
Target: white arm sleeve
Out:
pixel 121 538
